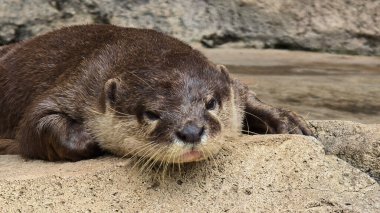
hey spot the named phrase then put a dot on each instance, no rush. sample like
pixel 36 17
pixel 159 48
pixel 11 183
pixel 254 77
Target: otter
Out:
pixel 80 91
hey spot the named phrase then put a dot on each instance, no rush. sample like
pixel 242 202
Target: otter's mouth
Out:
pixel 191 156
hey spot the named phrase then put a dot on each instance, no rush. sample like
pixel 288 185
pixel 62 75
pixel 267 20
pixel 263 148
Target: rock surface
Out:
pixel 253 174
pixel 322 25
pixel 355 143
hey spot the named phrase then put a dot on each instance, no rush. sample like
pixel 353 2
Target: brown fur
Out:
pixel 75 92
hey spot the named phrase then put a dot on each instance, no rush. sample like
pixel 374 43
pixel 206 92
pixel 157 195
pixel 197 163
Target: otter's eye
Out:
pixel 151 115
pixel 211 104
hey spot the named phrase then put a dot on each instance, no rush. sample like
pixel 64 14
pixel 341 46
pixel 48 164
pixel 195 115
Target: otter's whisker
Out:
pixel 94 111
pixel 153 159
pixel 142 147
pixel 129 153
pixel 266 124
pixel 202 149
pixel 149 158
pixel 141 80
pixel 165 166
pixel 214 159
pixel 250 132
pixel 154 163
pixel 114 110
pixel 152 147
pixel 172 159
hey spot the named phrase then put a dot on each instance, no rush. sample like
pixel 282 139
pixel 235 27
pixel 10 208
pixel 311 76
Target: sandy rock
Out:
pixel 322 25
pixel 258 173
pixel 355 143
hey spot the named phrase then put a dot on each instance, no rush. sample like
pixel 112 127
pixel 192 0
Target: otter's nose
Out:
pixel 191 133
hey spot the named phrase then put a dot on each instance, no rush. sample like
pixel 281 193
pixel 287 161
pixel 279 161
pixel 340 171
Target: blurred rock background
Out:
pixel 340 26
pixel 318 86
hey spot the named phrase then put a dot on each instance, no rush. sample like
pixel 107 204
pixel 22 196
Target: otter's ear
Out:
pixel 223 69
pixel 110 91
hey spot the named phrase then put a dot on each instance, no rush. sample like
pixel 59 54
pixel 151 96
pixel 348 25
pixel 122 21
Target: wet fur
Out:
pixel 77 92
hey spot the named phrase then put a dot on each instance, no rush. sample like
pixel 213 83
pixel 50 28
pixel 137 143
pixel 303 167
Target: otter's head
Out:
pixel 174 111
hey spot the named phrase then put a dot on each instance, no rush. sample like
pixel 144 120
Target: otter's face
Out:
pixel 182 117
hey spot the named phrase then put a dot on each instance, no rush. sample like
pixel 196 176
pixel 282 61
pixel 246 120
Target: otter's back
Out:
pixel 29 69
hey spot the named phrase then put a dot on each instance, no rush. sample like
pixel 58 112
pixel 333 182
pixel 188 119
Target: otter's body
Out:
pixel 73 93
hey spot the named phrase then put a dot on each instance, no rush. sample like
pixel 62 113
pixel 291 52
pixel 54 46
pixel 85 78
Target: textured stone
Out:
pixel 340 26
pixel 355 143
pixel 253 174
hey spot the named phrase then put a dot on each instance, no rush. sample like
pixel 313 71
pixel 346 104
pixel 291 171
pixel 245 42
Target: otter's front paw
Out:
pixel 260 118
pixel 288 122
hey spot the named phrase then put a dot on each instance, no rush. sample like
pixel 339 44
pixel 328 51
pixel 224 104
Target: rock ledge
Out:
pixel 258 173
